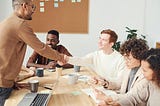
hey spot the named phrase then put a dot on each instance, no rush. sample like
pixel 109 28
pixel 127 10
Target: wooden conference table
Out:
pixel 63 94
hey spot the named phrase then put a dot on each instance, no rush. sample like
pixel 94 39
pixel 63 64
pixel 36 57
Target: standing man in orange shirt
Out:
pixel 15 35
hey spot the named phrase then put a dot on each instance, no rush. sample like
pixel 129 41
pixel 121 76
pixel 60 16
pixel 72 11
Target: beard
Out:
pixel 28 17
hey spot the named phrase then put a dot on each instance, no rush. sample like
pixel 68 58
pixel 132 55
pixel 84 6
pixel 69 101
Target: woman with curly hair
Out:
pixel 149 93
pixel 132 50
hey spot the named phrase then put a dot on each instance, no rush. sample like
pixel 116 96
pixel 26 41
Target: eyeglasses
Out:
pixel 33 6
pixel 128 57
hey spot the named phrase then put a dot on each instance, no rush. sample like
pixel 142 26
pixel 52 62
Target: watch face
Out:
pixel 106 84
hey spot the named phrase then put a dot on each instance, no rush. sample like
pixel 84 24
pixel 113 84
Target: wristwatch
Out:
pixel 106 84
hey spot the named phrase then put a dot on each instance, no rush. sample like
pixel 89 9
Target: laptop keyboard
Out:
pixel 39 100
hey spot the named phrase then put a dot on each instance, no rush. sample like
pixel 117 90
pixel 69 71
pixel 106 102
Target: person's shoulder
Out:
pixel 60 46
pixel 116 53
pixel 16 18
pixel 95 52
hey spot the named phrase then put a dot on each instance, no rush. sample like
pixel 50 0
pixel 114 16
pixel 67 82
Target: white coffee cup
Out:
pixel 72 78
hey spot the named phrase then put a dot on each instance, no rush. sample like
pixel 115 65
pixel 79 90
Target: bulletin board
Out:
pixel 66 16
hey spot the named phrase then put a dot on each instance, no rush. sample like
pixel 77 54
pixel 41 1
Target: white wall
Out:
pixel 143 15
pixel 5 8
pixel 152 23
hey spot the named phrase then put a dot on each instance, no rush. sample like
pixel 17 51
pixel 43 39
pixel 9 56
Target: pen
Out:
pixel 47 88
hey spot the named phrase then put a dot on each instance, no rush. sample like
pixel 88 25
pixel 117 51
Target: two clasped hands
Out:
pixel 104 99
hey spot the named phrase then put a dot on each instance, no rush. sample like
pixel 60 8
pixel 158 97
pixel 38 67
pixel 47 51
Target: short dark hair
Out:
pixel 134 46
pixel 113 36
pixel 54 32
pixel 152 56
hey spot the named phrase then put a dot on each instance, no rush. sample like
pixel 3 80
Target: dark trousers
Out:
pixel 4 94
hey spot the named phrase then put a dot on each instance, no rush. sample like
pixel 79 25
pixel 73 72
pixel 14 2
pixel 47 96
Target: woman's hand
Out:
pixel 99 95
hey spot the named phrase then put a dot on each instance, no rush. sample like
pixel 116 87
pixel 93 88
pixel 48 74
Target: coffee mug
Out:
pixel 39 72
pixel 72 78
pixel 33 84
pixel 76 68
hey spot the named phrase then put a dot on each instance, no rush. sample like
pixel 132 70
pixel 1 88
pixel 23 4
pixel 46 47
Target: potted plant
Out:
pixel 132 33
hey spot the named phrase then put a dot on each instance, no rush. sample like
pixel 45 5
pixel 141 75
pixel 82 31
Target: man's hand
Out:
pixel 18 86
pixel 51 64
pixel 65 58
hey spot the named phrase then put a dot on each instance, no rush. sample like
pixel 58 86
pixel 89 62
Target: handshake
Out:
pixel 64 60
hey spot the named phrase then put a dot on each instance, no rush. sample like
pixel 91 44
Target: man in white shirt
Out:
pixel 106 62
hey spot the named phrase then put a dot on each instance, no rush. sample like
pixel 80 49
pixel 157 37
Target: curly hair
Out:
pixel 134 46
pixel 152 56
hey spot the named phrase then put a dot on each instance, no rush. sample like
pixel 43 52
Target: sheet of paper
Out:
pixel 90 92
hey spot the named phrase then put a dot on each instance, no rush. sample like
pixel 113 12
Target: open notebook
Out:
pixel 37 99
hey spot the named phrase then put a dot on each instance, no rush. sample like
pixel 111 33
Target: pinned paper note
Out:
pixel 78 0
pixel 41 4
pixel 41 9
pixel 56 5
pixel 73 1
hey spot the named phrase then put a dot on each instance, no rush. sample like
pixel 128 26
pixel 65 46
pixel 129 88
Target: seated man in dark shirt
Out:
pixel 38 61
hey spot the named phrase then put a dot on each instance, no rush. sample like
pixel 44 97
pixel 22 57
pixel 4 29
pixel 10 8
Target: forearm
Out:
pixel 81 61
pixel 36 65
pixel 67 66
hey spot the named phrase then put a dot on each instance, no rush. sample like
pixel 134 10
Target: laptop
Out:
pixel 37 99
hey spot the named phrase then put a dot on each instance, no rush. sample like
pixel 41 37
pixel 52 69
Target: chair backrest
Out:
pixel 157 44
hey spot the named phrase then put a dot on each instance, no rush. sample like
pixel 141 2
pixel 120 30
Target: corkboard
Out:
pixel 68 17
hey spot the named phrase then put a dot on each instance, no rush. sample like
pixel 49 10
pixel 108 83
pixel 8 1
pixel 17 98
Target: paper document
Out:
pixel 90 92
